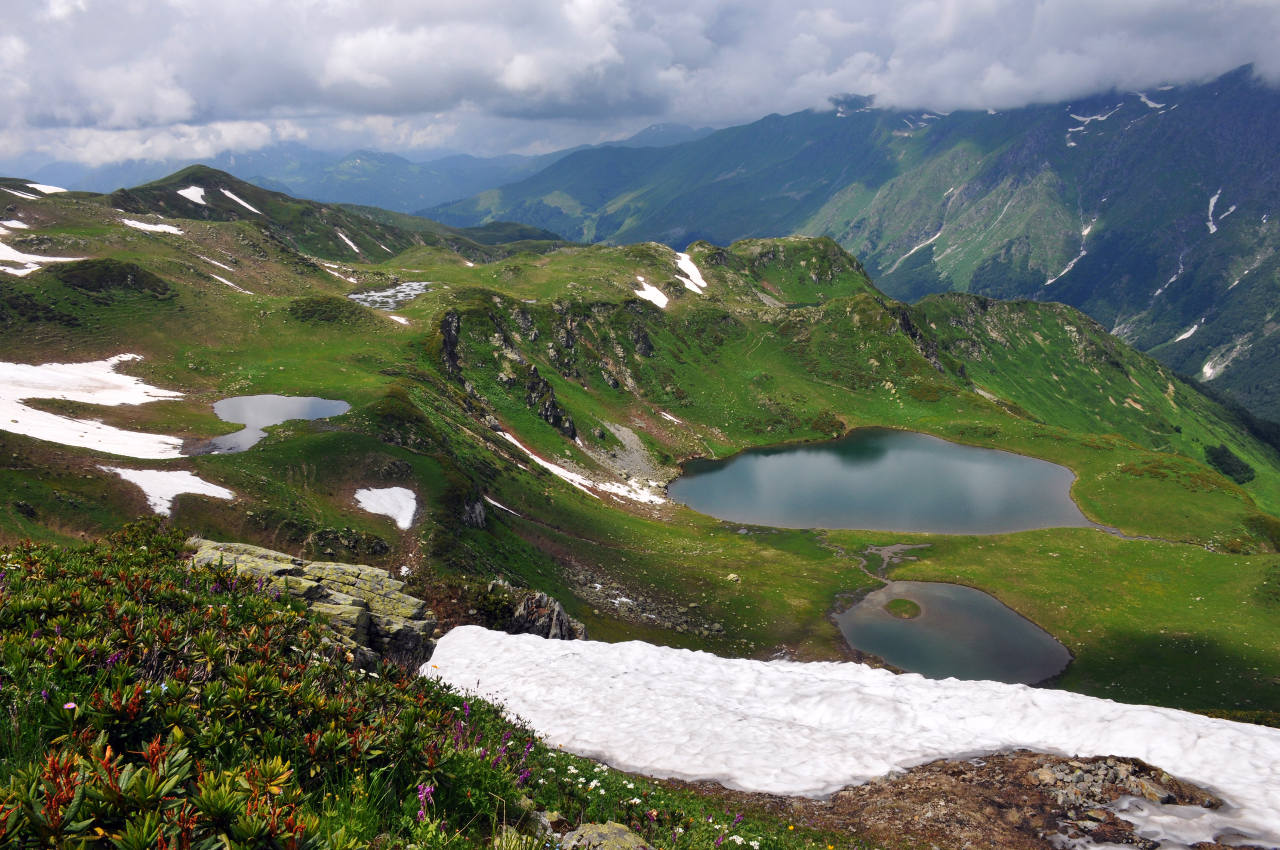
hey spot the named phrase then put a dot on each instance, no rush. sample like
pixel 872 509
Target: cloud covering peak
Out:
pixel 96 81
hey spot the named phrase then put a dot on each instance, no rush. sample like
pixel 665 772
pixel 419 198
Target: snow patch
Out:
pixel 348 241
pixel 93 382
pixel 23 195
pixel 12 255
pixel 194 194
pixel 221 279
pixel 692 277
pixel 163 486
pixel 1187 334
pixel 649 292
pixel 399 503
pixel 1214 366
pixel 389 299
pixel 1146 101
pixel 46 188
pixel 669 417
pixel 401 319
pixel 634 492
pixel 385 248
pixel 340 275
pixel 468 264
pixel 782 727
pixel 1176 275
pixel 150 228
pixel 16 225
pixel 1102 116
pixel 250 207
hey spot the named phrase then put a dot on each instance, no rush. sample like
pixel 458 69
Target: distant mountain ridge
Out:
pixel 1152 211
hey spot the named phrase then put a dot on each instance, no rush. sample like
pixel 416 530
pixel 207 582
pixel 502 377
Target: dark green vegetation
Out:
pixel 147 704
pixel 790 342
pixel 992 204
pixel 903 609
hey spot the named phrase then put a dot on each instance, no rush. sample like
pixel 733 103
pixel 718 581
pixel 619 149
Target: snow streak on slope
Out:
pixel 635 492
pixel 151 228
pixel 30 262
pixel 22 195
pixel 94 382
pixel 810 729
pixel 46 189
pixel 1189 331
pixel 348 241
pixel 929 241
pixel 1147 101
pixel 241 202
pixel 222 279
pixel 162 486
pixel 1084 234
pixel 1213 202
pixel 194 194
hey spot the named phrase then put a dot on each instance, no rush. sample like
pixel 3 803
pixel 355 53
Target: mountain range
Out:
pixel 1151 211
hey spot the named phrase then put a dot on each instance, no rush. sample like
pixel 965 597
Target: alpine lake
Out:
pixel 885 480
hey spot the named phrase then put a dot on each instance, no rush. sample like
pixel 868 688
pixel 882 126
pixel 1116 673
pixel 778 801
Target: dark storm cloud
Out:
pixel 104 79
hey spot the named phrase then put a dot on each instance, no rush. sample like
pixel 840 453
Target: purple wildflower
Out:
pixel 523 777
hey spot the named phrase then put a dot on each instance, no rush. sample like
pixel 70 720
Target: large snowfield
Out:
pixel 93 382
pixel 810 729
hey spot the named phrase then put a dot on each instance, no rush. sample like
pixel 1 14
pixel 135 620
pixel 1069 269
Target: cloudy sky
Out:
pixel 96 81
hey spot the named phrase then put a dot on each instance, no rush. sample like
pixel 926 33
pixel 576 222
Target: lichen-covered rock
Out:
pixel 366 608
pixel 610 835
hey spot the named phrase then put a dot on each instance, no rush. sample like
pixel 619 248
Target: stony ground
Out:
pixel 1017 801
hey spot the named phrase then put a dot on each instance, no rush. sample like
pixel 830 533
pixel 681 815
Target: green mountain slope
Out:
pixel 569 355
pixel 1102 203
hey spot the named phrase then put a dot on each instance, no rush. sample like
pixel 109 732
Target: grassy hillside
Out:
pixel 790 341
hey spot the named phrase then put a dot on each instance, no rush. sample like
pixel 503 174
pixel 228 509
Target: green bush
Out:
pixel 1228 463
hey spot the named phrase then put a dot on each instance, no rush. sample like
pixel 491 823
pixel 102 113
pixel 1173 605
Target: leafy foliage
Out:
pixel 1228 463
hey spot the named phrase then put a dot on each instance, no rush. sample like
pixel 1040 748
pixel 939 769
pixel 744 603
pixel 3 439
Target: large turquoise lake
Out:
pixel 884 480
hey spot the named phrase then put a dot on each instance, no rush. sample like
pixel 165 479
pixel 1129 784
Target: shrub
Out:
pixel 1228 463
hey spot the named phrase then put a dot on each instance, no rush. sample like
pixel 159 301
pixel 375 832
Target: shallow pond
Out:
pixel 256 412
pixel 883 480
pixel 959 632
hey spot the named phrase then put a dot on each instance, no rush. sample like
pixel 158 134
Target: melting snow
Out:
pixel 1103 116
pixel 385 248
pixel 389 299
pixel 399 503
pixel 692 278
pixel 21 194
pixel 1147 101
pixel 401 319
pixel 94 382
pixel 339 274
pixel 634 492
pixel 152 228
pixel 781 727
pixel 46 188
pixel 195 194
pixel 1213 202
pixel 30 262
pixel 1176 275
pixel 669 417
pixel 17 225
pixel 649 292
pixel 221 279
pixel 348 241
pixel 1214 365
pixel 1189 331
pixel 250 207
pixel 163 486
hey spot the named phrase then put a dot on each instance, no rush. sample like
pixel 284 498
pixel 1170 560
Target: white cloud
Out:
pixel 551 71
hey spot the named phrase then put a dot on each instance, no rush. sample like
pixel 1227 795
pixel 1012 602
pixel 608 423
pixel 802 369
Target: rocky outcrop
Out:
pixel 609 835
pixel 366 610
pixel 450 330
pixel 541 396
pixel 540 614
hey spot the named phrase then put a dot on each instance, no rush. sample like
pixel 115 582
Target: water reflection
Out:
pixel 262 411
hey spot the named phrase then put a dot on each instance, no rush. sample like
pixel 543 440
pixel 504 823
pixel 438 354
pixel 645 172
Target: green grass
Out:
pixel 903 609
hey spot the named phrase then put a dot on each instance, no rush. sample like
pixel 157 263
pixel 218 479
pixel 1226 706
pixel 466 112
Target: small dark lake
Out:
pixel 256 412
pixel 960 632
pixel 883 480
